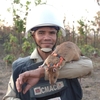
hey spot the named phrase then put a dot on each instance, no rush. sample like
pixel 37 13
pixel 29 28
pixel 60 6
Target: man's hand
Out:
pixel 30 77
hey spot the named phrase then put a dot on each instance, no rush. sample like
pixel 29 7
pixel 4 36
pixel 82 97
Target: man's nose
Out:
pixel 47 36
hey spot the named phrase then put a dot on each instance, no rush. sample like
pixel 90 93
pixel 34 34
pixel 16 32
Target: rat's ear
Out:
pixel 54 69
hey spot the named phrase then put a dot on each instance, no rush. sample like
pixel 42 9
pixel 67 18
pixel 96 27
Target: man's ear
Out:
pixel 33 36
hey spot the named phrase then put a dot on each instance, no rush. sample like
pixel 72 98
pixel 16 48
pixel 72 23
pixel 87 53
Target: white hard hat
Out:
pixel 44 15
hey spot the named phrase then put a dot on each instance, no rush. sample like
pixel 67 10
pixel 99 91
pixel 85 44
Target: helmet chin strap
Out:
pixel 46 49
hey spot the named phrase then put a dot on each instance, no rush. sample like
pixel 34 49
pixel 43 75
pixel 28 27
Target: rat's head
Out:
pixel 52 61
pixel 53 74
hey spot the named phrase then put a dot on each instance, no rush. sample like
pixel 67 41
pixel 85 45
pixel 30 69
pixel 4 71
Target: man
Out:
pixel 44 23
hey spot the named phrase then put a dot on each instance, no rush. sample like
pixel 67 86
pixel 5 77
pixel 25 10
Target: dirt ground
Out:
pixel 90 85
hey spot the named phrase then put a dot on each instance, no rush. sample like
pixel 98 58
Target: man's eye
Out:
pixel 52 32
pixel 40 33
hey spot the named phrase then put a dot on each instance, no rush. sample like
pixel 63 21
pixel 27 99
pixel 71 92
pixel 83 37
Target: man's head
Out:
pixel 45 37
pixel 47 20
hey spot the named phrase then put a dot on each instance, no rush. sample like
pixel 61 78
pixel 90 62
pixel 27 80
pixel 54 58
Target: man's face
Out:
pixel 45 37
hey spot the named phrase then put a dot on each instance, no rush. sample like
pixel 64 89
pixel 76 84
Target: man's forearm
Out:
pixel 41 70
pixel 76 69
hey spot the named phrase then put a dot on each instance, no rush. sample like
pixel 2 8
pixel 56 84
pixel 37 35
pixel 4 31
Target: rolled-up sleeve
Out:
pixel 75 69
pixel 10 94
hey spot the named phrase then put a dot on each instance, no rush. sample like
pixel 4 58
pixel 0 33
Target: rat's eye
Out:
pixel 51 64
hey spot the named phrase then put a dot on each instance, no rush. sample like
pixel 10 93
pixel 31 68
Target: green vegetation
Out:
pixel 16 45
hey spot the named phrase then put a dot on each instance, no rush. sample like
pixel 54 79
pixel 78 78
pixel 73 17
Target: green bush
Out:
pixel 88 50
pixel 9 59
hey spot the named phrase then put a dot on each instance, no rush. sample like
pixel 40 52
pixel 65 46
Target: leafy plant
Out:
pixel 87 50
pixel 9 59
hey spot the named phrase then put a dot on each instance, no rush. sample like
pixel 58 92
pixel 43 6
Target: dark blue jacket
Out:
pixel 66 89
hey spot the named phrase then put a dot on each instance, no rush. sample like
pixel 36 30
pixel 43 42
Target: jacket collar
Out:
pixel 35 56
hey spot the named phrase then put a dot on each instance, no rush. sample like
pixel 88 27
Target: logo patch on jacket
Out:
pixel 45 89
pixel 48 88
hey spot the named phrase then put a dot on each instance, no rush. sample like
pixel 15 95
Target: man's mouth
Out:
pixel 47 43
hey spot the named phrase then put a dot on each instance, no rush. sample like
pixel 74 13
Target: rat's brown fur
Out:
pixel 69 51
